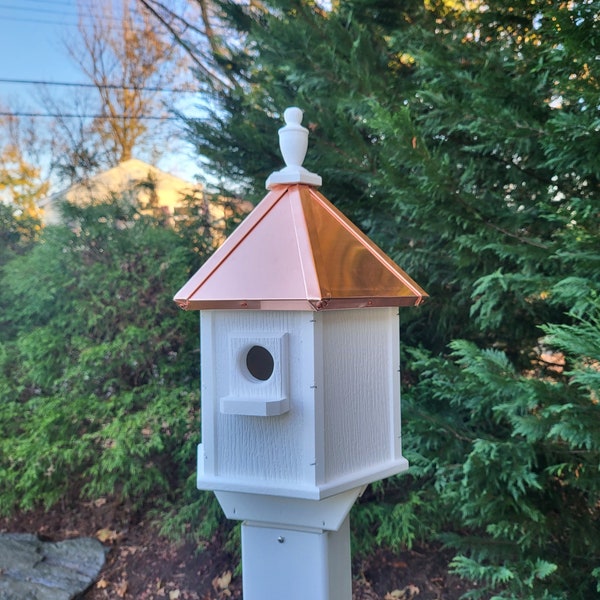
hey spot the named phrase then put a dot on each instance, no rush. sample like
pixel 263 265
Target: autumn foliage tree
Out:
pixel 130 64
pixel 21 182
pixel 22 186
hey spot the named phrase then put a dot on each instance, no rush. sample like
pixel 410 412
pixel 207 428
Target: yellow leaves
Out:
pixel 407 593
pixel 102 584
pixel 448 6
pixel 107 535
pixel 221 584
pixel 401 60
pixel 21 183
pixel 120 587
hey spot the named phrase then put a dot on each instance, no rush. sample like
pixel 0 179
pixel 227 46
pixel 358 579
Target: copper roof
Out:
pixel 296 251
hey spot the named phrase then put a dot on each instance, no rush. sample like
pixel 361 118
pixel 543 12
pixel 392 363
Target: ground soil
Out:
pixel 142 565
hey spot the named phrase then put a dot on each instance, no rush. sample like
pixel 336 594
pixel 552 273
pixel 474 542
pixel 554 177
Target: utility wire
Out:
pixel 57 12
pixel 29 9
pixel 107 86
pixel 39 21
pixel 76 116
pixel 47 17
pixel 45 2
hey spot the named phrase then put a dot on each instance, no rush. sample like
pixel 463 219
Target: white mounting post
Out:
pixel 294 548
pixel 295 564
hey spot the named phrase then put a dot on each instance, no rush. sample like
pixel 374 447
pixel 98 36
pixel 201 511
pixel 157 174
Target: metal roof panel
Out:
pixel 296 251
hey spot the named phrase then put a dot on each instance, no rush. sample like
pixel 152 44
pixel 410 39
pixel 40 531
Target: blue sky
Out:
pixel 31 43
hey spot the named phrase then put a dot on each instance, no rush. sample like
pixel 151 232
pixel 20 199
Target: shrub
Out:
pixel 98 368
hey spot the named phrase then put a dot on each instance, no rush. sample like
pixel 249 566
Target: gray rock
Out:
pixel 31 569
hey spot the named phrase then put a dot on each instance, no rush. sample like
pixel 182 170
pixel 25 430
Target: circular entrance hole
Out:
pixel 260 363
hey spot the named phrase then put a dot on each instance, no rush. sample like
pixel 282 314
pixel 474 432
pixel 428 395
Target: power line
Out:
pixel 107 86
pixel 45 2
pixel 76 116
pixel 114 23
pixel 47 11
pixel 38 21
pixel 56 11
pixel 70 19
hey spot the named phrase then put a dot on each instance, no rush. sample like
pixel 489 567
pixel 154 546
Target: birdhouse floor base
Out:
pixel 296 564
pixel 290 513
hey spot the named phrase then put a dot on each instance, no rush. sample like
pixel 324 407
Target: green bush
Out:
pixel 98 367
pixel 511 461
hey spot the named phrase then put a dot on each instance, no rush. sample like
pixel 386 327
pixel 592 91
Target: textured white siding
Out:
pixel 255 450
pixel 339 428
pixel 360 396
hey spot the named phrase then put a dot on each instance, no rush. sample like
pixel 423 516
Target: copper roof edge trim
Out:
pixel 303 304
pixel 376 251
pixel 182 297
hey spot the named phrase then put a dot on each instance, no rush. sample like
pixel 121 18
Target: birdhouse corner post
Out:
pixel 299 379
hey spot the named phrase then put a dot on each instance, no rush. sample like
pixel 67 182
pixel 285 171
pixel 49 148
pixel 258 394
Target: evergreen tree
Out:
pixel 463 138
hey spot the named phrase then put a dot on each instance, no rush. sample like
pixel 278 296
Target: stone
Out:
pixel 31 569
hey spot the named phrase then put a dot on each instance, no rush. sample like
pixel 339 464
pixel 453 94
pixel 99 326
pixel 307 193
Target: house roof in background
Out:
pixel 122 177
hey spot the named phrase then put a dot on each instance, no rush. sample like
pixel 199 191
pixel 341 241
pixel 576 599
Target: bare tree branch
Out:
pixel 207 51
pixel 127 64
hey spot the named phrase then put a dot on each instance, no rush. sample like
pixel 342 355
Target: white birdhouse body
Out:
pixel 301 404
pixel 299 346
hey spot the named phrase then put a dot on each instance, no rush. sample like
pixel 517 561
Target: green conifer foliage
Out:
pixel 98 367
pixel 463 138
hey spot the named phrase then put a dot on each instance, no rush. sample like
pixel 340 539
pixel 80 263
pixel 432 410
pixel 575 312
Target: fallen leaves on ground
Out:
pixel 102 584
pixel 407 593
pixel 155 568
pixel 107 535
pixel 121 588
pixel 221 584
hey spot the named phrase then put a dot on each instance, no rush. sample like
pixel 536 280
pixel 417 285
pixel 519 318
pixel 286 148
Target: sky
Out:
pixel 32 34
pixel 31 43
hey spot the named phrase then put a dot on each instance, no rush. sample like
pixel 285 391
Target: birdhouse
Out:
pixel 299 346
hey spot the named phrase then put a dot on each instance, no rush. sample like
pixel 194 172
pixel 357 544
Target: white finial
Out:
pixel 293 138
pixel 293 143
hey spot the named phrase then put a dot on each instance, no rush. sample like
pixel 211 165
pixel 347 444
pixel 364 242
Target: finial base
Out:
pixel 291 175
